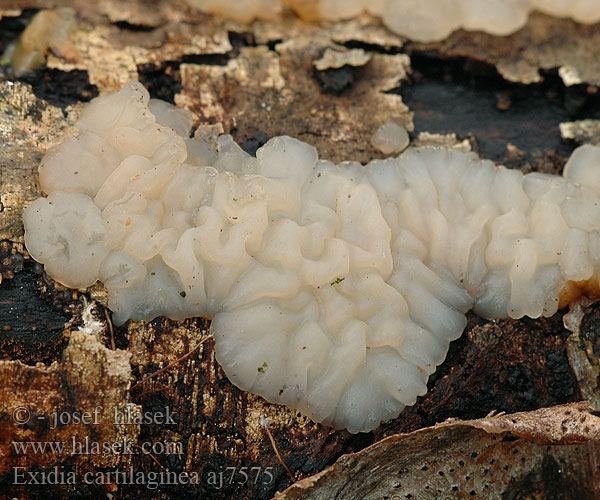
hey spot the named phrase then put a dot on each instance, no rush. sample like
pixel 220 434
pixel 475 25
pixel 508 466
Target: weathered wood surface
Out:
pixel 255 82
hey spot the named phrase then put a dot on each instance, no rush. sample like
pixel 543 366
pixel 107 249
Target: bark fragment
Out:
pixel 258 81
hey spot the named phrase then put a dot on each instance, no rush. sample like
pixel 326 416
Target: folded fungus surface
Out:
pixel 333 289
pixel 420 20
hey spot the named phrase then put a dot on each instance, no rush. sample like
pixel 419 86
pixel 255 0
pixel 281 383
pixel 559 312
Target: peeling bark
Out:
pixel 255 82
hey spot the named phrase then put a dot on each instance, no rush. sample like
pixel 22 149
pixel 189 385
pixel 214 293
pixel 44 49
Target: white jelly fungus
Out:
pixel 333 289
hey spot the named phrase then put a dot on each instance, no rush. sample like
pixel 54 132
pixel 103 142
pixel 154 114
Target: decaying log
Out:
pixel 60 354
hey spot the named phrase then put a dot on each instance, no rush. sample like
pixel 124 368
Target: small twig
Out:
pixel 151 456
pixel 169 366
pixel 266 426
pixel 111 329
pixel 162 387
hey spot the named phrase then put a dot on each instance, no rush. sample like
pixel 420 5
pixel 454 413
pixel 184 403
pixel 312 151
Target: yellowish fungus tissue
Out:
pixel 333 289
pixel 50 29
pixel 421 20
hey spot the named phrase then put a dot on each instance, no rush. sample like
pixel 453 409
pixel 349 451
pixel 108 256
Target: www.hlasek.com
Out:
pixel 87 446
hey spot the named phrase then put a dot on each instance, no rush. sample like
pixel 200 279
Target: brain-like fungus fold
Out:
pixel 334 289
pixel 421 20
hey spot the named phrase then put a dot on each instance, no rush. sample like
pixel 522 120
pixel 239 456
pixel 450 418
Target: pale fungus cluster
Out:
pixel 333 289
pixel 421 20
